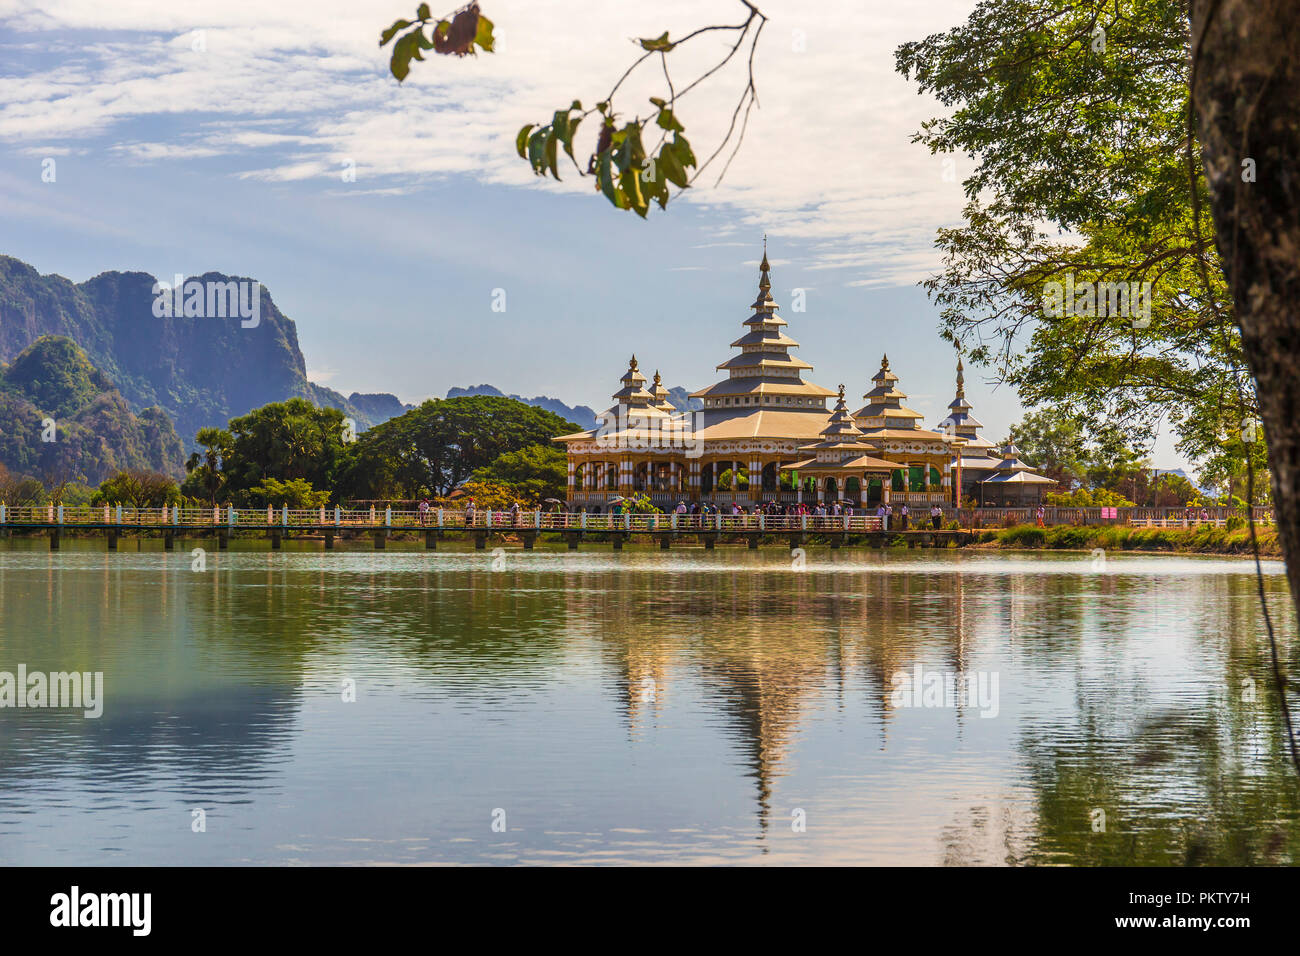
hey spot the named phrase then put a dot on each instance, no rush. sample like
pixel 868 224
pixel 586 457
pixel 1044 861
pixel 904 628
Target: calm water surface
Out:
pixel 642 706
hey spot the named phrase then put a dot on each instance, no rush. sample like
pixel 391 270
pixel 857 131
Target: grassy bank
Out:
pixel 1204 540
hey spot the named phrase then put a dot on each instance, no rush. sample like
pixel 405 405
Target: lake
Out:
pixel 727 706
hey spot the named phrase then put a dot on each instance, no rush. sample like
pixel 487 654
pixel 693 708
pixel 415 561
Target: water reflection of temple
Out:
pixel 756 656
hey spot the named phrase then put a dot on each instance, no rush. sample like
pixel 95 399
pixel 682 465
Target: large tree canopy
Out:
pixel 282 440
pixel 433 448
pixel 1076 114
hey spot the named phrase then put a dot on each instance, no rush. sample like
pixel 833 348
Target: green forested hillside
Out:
pixel 51 390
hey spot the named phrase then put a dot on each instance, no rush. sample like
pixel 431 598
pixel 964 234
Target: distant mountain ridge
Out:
pixel 584 415
pixel 580 414
pixel 200 371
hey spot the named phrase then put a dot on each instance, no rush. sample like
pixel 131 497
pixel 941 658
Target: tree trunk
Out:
pixel 1246 95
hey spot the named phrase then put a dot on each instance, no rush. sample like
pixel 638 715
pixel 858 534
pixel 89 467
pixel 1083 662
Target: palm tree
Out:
pixel 216 443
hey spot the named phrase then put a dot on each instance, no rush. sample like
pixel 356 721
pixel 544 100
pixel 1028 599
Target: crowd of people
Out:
pixel 899 518
pixel 889 515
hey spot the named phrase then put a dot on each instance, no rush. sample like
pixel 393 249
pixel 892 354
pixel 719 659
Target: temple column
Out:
pixel 755 478
pixel 694 479
pixel 572 482
pixel 864 485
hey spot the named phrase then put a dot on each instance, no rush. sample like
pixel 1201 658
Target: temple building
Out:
pixel 764 434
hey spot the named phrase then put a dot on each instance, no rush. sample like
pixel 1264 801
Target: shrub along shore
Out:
pixel 1203 539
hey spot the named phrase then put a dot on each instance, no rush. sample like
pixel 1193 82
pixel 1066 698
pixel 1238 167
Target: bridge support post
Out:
pixel 618 541
pixel 223 541
pixel 169 542
pixel 530 538
pixel 665 542
pixel 329 540
pixel 112 542
pixel 752 541
pixel 836 541
pixel 709 541
pixel 54 539
pixel 275 541
pixel 381 541
pixel 431 541
pixel 480 541
pixel 796 541
pixel 572 538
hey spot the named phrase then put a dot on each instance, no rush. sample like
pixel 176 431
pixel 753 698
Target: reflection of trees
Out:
pixel 1200 777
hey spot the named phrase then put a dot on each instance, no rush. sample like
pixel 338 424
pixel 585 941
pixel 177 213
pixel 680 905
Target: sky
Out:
pixel 269 140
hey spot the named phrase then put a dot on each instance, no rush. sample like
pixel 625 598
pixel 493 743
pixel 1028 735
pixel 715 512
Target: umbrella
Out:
pixel 552 501
pixel 617 499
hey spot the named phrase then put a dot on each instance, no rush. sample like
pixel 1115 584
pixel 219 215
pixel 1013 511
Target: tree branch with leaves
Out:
pixel 627 172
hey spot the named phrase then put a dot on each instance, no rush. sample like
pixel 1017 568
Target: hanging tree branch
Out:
pixel 625 173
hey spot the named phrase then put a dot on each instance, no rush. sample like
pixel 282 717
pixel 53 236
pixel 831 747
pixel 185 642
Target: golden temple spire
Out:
pixel 961 380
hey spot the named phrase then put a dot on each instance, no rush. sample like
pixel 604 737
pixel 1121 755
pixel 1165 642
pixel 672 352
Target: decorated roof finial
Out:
pixel 961 380
pixel 764 283
pixel 841 393
pixel 656 378
pixel 632 364
pixel 884 363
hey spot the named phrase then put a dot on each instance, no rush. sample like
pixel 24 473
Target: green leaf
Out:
pixel 671 166
pixel 401 61
pixel 551 153
pixel 568 146
pixel 659 44
pixel 629 182
pixel 537 151
pixel 683 150
pixel 522 140
pixel 657 187
pixel 605 180
pixel 657 101
pixel 564 128
pixel 392 31
pixel 631 154
pixel 483 37
pixel 577 105
pixel 422 12
pixel 669 122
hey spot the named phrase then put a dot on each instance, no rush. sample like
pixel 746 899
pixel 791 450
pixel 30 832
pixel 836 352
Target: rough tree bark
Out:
pixel 1246 96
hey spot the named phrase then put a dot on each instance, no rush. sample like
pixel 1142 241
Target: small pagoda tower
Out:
pixel 660 395
pixel 885 408
pixel 765 374
pixel 960 423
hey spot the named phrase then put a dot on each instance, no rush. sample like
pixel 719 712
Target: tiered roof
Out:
pixel 764 373
pixel 977 452
pixel 660 395
pixel 1011 470
pixel 843 445
pixel 885 415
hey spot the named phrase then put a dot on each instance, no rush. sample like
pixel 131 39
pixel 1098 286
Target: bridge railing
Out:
pixel 226 517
